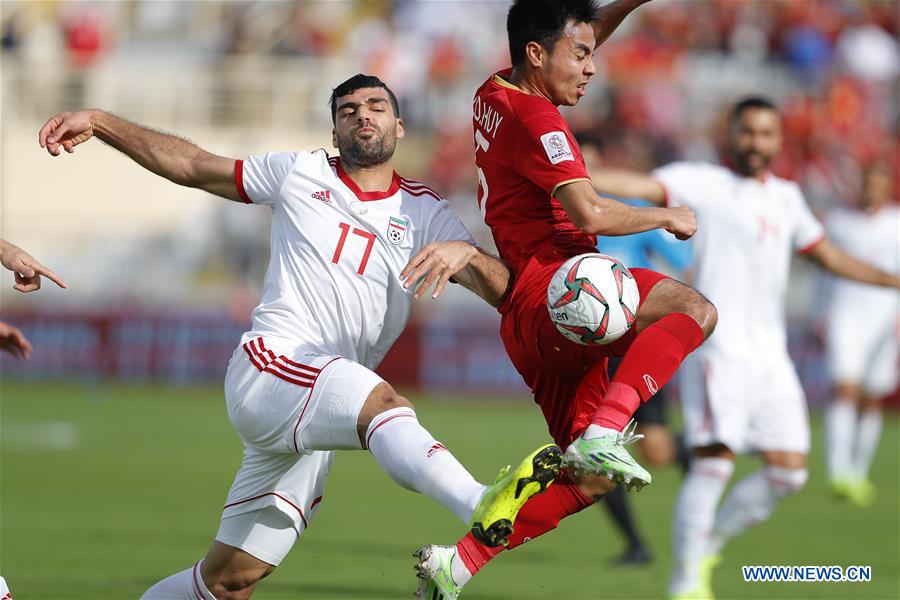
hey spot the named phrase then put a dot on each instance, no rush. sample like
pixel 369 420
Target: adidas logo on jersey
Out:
pixel 323 195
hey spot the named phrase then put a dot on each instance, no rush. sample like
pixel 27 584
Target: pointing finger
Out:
pixel 50 275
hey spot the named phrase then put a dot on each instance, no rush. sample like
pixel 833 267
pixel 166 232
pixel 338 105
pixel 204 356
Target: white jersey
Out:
pixel 747 231
pixel 333 283
pixel 875 239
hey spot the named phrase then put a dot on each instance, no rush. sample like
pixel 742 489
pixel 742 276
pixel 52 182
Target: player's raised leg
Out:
pixel 446 569
pixel 413 458
pixel 673 320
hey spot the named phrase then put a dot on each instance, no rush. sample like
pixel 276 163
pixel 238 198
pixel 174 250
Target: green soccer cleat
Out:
pixel 841 486
pixel 492 521
pixel 703 591
pixel 434 575
pixel 707 566
pixel 861 493
pixel 606 455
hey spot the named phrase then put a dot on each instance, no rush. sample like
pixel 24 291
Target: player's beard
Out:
pixel 372 152
pixel 744 166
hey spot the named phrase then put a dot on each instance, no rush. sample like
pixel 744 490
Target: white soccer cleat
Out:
pixel 606 455
pixel 434 574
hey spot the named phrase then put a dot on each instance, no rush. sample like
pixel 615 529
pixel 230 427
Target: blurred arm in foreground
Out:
pixel 28 273
pixel 27 269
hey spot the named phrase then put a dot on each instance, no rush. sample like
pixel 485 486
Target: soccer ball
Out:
pixel 592 299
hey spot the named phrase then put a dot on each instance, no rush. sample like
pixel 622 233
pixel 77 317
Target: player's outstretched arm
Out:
pixel 611 15
pixel 597 215
pixel 476 271
pixel 27 269
pixel 628 184
pixel 835 260
pixel 169 156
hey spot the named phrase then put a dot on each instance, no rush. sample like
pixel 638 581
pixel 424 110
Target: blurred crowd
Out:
pixel 663 83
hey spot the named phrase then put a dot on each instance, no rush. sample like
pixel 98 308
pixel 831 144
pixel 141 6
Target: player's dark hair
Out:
pixel 753 102
pixel 543 21
pixel 357 82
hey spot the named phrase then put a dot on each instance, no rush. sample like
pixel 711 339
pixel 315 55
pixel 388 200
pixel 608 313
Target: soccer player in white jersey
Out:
pixel 740 391
pixel 352 244
pixel 861 337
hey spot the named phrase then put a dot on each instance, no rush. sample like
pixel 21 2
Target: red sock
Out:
pixel 540 514
pixel 652 358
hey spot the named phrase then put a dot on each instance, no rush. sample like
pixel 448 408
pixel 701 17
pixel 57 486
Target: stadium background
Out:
pixel 162 279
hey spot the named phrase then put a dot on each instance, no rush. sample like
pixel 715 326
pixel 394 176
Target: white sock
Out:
pixel 594 431
pixel 868 435
pixel 414 459
pixel 752 500
pixel 459 571
pixel 692 523
pixel 186 585
pixel 840 426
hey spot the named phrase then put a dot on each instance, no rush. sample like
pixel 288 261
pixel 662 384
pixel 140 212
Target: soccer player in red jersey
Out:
pixel 535 194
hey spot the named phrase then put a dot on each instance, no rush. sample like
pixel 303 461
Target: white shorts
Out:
pixel 291 412
pixel 866 355
pixel 267 533
pixel 743 404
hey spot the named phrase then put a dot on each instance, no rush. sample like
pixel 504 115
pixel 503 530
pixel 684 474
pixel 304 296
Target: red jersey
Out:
pixel 524 152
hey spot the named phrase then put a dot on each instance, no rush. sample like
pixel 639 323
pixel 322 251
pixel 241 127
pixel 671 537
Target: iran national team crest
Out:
pixel 396 231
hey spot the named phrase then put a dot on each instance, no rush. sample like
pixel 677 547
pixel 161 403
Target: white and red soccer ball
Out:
pixel 593 299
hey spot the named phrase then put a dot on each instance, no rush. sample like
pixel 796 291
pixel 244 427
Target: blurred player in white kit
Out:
pixel 740 391
pixel 861 337
pixel 351 242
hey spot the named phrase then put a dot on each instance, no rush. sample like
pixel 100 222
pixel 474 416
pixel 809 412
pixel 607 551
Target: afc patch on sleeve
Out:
pixel 557 147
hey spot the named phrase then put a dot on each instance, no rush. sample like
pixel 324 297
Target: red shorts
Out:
pixel 567 379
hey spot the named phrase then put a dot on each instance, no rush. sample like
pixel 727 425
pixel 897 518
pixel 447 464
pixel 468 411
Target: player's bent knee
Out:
pixel 670 296
pixel 784 459
pixel 382 399
pixel 714 451
pixel 703 312
pixel 233 588
pixel 871 403
pixel 851 392
pixel 689 301
pixel 232 574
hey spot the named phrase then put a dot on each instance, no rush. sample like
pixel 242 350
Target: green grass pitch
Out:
pixel 105 489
